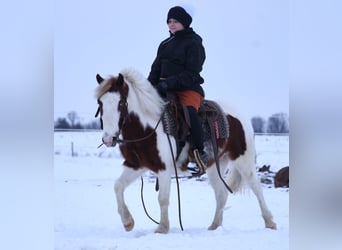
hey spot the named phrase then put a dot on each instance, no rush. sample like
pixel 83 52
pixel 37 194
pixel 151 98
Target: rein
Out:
pixel 178 190
pixel 214 144
pixel 122 107
pixel 116 139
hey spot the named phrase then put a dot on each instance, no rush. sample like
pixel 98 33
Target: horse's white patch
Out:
pixel 110 116
pixel 142 98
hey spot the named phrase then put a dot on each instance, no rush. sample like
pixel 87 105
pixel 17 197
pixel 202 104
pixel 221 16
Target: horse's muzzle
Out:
pixel 110 141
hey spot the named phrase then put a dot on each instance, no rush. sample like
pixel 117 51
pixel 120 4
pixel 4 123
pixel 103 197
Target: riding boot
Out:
pixel 196 132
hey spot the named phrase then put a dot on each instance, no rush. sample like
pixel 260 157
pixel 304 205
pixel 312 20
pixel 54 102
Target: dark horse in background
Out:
pixel 130 110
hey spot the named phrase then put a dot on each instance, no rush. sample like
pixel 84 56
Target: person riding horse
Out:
pixel 177 68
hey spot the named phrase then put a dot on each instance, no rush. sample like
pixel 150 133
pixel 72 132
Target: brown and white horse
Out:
pixel 131 109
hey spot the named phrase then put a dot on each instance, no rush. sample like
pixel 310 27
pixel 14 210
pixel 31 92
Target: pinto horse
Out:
pixel 130 112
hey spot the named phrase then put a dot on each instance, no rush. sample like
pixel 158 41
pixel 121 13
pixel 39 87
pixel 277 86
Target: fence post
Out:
pixel 72 149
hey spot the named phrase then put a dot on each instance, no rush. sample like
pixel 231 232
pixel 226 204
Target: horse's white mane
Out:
pixel 142 93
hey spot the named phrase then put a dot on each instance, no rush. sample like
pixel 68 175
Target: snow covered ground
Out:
pixel 85 206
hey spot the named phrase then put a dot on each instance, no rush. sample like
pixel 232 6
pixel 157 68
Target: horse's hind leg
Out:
pixel 247 170
pixel 266 213
pixel 126 178
pixel 221 193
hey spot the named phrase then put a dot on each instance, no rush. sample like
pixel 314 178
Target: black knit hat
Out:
pixel 180 15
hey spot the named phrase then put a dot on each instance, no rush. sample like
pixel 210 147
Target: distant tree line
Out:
pixel 277 123
pixel 72 121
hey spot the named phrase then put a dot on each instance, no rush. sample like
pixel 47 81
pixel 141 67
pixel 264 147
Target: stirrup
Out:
pixel 194 170
pixel 201 165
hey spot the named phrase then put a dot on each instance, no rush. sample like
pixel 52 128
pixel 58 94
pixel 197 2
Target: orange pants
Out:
pixel 190 98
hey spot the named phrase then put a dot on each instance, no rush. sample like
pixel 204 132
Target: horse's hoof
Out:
pixel 213 227
pixel 272 226
pixel 162 230
pixel 129 226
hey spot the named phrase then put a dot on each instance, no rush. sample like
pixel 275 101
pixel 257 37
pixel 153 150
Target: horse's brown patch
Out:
pixel 112 84
pixel 236 144
pixel 139 154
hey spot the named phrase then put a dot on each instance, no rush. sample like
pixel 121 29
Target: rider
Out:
pixel 177 68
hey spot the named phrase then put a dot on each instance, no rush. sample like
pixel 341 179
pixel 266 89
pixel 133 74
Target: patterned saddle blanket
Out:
pixel 212 116
pixel 176 120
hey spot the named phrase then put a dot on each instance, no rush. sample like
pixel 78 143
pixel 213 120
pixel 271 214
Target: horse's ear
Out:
pixel 120 80
pixel 99 78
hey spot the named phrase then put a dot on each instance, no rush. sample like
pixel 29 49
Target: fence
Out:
pixel 270 149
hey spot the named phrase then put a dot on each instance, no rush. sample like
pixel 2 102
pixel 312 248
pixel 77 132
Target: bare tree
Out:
pixel 258 124
pixel 62 123
pixel 73 117
pixel 278 123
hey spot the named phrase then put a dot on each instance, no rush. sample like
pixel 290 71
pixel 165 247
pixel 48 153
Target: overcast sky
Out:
pixel 246 42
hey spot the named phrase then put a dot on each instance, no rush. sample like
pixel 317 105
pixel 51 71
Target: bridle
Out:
pixel 124 116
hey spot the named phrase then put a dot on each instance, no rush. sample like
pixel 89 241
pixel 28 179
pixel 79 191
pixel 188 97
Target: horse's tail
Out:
pixel 241 169
pixel 243 159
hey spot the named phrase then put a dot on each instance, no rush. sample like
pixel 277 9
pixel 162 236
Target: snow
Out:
pixel 85 205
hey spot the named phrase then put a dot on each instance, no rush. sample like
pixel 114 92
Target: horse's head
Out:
pixel 111 96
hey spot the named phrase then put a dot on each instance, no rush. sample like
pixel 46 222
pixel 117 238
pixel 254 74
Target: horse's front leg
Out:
pixel 163 198
pixel 126 178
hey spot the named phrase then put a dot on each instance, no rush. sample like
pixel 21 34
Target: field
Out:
pixel 85 206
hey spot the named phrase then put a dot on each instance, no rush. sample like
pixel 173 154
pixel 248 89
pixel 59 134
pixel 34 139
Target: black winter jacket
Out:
pixel 179 60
